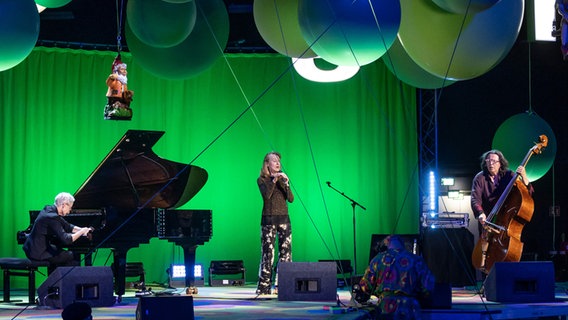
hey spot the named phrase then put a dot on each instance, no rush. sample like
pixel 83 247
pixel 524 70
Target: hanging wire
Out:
pixel 249 106
pixel 119 11
pixel 530 79
pixel 464 264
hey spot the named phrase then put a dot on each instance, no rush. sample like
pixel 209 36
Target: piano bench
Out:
pixel 20 267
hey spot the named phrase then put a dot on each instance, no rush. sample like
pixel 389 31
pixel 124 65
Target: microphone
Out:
pixel 282 178
pixel 328 183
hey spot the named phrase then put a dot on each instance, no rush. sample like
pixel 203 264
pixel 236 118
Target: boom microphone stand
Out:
pixel 353 204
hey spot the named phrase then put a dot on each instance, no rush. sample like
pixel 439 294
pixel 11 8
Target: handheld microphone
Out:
pixel 282 178
pixel 328 183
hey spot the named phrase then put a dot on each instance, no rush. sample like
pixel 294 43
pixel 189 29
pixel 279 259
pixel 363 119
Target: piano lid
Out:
pixel 132 175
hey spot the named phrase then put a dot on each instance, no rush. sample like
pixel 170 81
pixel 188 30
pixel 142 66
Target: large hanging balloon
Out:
pixel 277 22
pixel 195 54
pixel 349 33
pixel 446 44
pixel 404 68
pixel 517 135
pixel 19 30
pixel 52 3
pixel 463 6
pixel 160 24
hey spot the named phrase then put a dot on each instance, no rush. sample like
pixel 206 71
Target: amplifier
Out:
pixel 445 220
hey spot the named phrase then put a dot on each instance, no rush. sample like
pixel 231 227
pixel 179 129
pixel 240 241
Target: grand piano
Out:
pixel 131 197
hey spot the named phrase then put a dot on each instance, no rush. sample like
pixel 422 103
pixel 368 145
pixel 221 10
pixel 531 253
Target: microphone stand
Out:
pixel 353 204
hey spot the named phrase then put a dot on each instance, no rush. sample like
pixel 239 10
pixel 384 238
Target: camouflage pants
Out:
pixel 268 239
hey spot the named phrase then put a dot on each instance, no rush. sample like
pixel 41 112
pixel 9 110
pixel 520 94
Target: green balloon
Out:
pixel 277 22
pixel 198 52
pixel 19 30
pixel 52 3
pixel 517 135
pixel 463 6
pixel 161 24
pixel 349 33
pixel 447 45
pixel 404 68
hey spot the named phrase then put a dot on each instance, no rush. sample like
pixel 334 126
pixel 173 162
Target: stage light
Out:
pixel 176 273
pixel 432 193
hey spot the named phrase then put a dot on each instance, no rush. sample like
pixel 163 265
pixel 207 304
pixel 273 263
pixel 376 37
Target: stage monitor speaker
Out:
pixel 65 285
pixel 165 307
pixel 519 282
pixel 307 281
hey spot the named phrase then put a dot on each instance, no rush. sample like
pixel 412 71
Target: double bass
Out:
pixel 500 239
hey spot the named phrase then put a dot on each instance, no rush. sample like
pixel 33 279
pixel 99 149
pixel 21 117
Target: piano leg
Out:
pixel 87 258
pixel 189 262
pixel 119 272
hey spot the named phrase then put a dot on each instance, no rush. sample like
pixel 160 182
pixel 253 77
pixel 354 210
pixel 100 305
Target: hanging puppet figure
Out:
pixel 118 95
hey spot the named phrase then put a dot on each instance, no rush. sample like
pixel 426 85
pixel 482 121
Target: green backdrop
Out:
pixel 359 134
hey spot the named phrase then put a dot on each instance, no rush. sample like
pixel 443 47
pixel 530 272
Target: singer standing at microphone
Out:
pixel 275 189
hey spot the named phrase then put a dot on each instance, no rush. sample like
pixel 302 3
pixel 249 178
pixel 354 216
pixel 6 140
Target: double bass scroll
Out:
pixel 500 239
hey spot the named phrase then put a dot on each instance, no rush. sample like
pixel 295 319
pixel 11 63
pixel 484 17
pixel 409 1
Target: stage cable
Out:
pixel 250 106
pixel 216 138
pixel 438 96
pixel 313 157
pixel 211 143
pixel 403 102
pixel 91 252
pixel 464 264
pixel 530 77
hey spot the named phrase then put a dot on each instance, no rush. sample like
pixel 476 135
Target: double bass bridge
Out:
pixel 492 227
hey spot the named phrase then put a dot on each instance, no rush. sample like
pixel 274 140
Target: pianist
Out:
pixel 50 224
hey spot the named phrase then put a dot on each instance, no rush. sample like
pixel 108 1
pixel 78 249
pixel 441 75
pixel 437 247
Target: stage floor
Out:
pixel 241 302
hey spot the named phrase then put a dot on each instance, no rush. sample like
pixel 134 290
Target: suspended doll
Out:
pixel 118 95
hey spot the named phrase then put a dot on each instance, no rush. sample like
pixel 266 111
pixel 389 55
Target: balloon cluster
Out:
pixel 172 39
pixel 425 43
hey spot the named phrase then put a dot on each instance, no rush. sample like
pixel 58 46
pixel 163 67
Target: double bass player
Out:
pixel 488 188
pixel 490 182
pixel 502 203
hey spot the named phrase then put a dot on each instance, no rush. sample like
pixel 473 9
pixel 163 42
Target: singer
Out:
pixel 275 189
